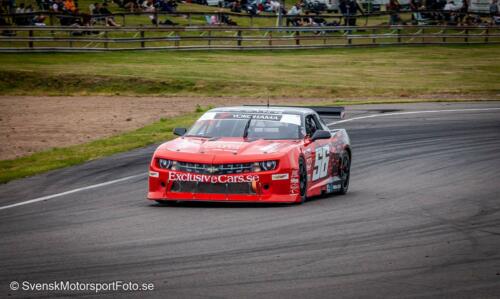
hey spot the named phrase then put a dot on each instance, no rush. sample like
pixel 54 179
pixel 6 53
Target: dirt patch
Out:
pixel 32 124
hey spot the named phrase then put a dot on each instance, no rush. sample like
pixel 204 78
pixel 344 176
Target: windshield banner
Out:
pixel 284 118
pixel 237 115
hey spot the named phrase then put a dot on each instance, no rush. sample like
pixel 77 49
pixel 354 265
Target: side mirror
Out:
pixel 321 134
pixel 180 131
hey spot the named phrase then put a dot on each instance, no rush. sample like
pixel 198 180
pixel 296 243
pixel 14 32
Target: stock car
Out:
pixel 253 154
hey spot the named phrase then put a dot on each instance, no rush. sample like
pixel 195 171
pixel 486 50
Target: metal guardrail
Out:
pixel 71 39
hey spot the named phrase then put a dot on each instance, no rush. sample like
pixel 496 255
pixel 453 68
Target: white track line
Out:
pixel 71 191
pixel 142 174
pixel 411 112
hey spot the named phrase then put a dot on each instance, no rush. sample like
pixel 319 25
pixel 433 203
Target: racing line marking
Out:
pixel 144 174
pixel 71 191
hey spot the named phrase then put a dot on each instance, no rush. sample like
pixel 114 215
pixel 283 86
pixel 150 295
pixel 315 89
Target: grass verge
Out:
pixel 68 156
pixel 333 73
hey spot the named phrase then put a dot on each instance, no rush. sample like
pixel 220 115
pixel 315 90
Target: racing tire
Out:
pixel 302 181
pixel 344 173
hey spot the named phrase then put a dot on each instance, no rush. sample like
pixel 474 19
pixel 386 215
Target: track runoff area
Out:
pixel 331 124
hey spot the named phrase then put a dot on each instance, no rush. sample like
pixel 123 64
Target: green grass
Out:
pixel 63 157
pixel 389 72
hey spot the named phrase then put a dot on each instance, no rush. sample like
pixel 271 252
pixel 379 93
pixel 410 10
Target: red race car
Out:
pixel 253 154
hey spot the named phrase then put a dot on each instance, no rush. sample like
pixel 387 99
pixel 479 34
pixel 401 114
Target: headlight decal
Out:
pixel 165 164
pixel 268 165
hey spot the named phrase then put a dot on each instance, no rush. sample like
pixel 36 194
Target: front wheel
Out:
pixel 166 202
pixel 302 181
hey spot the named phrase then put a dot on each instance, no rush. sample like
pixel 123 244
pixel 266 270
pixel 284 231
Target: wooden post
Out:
pixel 209 37
pixel 297 38
pixel 374 39
pixel 239 38
pixel 423 38
pixel 30 43
pixel 270 39
pixel 444 37
pixel 143 43
pixel 399 35
pixel 466 35
pixel 486 36
pixel 106 38
pixel 51 22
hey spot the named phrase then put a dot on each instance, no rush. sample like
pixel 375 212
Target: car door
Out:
pixel 318 157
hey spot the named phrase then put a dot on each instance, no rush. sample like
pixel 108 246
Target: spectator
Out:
pixel 416 5
pixel 11 4
pixel 275 6
pixel 349 9
pixel 214 20
pixel 450 6
pixel 39 20
pixel 70 6
pixel 224 19
pixel 292 15
pixel 57 6
pixel 394 7
pixel 3 22
pixel 102 9
pixel 131 5
pixel 464 11
pixel 236 6
pixel 23 20
pixel 493 11
pixel 20 9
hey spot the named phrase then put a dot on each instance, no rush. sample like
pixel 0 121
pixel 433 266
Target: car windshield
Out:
pixel 249 125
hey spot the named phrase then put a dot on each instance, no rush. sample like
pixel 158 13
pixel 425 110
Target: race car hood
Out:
pixel 215 150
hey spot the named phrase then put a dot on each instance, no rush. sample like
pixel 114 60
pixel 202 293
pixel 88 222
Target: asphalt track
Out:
pixel 421 219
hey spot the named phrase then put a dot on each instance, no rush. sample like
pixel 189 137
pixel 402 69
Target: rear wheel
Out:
pixel 344 172
pixel 302 180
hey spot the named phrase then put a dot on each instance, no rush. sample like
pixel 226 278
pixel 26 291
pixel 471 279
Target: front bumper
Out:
pixel 273 187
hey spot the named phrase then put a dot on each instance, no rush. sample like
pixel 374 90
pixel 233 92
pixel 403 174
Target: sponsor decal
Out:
pixel 215 179
pixel 226 115
pixel 271 148
pixel 280 176
pixel 295 174
pixel 309 164
pixel 223 146
pixel 331 187
pixel 154 174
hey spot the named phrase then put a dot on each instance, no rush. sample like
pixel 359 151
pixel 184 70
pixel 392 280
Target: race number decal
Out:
pixel 321 162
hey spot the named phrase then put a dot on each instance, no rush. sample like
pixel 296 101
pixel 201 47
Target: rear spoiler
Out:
pixel 336 112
